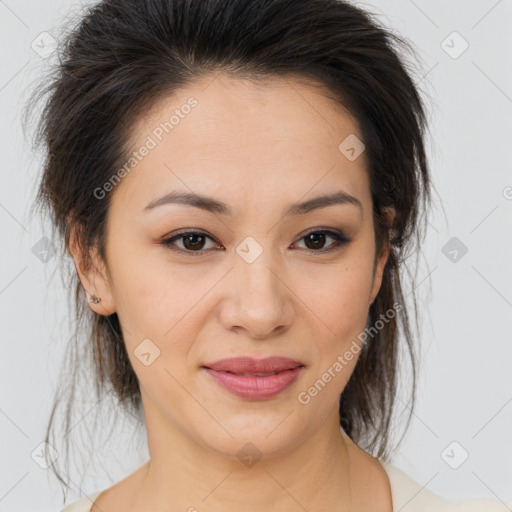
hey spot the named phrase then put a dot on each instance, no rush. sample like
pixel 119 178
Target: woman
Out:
pixel 237 184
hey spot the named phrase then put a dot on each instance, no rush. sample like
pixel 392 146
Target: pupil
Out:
pixel 194 244
pixel 316 244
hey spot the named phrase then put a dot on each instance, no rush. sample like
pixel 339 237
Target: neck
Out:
pixel 181 473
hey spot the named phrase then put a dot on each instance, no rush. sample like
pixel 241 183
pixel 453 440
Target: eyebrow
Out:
pixel 217 207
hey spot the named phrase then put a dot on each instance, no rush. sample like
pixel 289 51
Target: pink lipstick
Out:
pixel 255 379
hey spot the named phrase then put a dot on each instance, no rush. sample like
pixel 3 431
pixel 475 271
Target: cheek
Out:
pixel 340 299
pixel 170 310
pixel 343 307
pixel 150 297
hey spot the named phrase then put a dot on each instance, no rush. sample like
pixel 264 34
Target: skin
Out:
pixel 258 148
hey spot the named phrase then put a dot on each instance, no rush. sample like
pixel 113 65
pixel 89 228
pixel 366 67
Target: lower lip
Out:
pixel 253 386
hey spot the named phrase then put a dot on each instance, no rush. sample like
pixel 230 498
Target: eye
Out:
pixel 194 241
pixel 315 240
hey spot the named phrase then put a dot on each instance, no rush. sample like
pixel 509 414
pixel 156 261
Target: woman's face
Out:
pixel 261 287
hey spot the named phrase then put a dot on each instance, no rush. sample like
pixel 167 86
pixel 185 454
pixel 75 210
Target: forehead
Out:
pixel 279 138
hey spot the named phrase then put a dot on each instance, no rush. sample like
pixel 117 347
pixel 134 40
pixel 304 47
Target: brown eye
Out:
pixel 315 240
pixel 193 242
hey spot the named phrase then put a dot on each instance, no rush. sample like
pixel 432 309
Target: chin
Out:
pixel 256 438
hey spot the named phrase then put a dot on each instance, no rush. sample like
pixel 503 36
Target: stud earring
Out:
pixel 95 299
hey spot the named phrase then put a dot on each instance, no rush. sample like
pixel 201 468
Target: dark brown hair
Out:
pixel 123 56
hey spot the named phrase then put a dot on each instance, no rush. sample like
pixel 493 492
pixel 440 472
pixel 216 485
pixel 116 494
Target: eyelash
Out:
pixel 340 240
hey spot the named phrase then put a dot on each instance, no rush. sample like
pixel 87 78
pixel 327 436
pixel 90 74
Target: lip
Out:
pixel 242 376
pixel 250 365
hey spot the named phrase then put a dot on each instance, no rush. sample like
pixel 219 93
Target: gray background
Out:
pixel 465 393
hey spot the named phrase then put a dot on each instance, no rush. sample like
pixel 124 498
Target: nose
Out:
pixel 257 298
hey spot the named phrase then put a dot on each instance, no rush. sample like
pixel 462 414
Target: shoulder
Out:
pixel 409 496
pixel 83 504
pixel 116 497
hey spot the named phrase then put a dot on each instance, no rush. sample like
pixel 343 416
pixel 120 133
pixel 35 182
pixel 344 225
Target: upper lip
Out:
pixel 251 365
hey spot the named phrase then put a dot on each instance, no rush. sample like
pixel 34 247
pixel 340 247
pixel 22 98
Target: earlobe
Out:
pixel 94 282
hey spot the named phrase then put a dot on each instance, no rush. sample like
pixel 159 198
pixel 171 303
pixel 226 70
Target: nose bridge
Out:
pixel 255 273
pixel 259 300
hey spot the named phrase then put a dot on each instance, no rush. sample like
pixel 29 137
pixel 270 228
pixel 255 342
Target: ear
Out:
pixel 93 276
pixel 381 261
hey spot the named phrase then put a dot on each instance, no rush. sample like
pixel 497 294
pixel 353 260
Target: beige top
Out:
pixel 407 496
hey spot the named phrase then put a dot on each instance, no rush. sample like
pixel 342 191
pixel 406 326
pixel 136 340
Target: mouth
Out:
pixel 254 379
